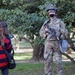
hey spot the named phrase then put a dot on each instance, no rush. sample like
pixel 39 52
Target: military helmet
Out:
pixel 50 7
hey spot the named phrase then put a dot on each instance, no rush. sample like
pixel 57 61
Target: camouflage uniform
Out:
pixel 51 45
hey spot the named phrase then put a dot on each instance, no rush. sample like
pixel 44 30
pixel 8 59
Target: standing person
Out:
pixel 52 47
pixel 4 41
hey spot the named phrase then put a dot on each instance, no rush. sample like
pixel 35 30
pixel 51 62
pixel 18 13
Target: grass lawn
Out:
pixel 30 68
pixel 38 69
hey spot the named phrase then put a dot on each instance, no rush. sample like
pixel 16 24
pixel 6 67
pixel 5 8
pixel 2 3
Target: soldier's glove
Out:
pixel 47 33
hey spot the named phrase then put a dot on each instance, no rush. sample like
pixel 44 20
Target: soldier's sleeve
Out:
pixel 64 30
pixel 43 30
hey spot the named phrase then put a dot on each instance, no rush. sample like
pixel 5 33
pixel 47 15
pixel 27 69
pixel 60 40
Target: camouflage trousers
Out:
pixel 51 49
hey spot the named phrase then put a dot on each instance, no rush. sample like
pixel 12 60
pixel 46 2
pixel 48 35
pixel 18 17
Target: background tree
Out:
pixel 25 17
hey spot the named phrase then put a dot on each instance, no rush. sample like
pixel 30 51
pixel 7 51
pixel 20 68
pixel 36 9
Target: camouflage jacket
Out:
pixel 56 24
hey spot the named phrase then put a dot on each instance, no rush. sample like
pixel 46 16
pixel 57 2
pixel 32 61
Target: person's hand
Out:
pixel 46 29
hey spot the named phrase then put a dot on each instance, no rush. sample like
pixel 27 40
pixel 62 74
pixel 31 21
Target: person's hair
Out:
pixel 4 25
pixel 3 32
pixel 1 37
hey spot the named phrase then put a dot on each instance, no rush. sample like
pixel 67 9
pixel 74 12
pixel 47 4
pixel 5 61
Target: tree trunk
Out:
pixel 38 52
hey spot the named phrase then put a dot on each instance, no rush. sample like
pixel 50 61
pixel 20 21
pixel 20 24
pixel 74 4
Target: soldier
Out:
pixel 52 47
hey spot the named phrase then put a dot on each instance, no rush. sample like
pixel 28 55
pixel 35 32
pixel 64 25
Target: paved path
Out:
pixel 23 50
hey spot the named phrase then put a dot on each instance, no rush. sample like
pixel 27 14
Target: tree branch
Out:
pixel 69 57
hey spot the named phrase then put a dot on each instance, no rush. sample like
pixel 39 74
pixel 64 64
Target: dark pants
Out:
pixel 5 72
